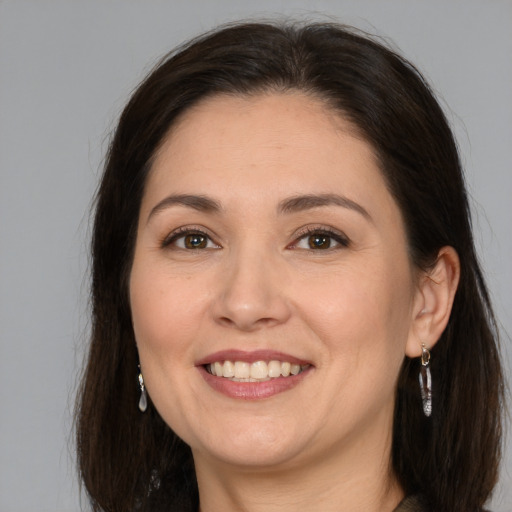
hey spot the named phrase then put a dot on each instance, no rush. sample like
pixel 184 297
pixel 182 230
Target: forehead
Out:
pixel 290 134
pixel 277 115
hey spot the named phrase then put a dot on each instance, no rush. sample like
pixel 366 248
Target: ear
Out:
pixel 433 301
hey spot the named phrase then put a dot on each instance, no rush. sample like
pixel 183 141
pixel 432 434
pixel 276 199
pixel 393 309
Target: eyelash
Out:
pixel 341 239
pixel 328 233
pixel 182 233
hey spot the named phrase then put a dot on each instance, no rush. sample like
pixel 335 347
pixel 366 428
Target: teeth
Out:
pixel 228 369
pixel 294 369
pixel 274 369
pixel 241 371
pixel 259 370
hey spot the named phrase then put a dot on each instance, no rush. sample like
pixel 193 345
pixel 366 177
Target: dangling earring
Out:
pixel 143 400
pixel 425 381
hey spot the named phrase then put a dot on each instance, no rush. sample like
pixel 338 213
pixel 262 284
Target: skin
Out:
pixel 353 309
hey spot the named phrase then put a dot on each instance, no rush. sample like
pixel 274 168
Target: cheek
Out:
pixel 363 317
pixel 376 300
pixel 163 311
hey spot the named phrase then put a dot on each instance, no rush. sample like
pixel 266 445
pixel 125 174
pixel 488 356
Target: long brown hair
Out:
pixel 133 461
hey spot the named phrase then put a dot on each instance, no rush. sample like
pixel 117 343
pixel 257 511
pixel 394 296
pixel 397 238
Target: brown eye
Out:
pixel 195 241
pixel 319 241
pixel 190 240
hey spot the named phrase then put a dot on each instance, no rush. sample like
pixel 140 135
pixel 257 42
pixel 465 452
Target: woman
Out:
pixel 288 312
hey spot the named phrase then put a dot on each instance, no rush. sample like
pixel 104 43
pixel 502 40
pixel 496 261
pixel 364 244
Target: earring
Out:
pixel 143 400
pixel 425 379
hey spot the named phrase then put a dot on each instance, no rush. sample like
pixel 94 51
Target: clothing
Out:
pixel 410 504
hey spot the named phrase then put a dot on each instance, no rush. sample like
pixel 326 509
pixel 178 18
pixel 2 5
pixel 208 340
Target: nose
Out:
pixel 252 294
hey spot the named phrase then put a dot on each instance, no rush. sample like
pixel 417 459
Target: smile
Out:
pixel 258 371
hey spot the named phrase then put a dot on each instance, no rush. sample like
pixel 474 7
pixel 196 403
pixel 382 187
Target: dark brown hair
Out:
pixel 133 461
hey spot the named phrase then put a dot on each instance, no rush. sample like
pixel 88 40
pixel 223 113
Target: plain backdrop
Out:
pixel 67 68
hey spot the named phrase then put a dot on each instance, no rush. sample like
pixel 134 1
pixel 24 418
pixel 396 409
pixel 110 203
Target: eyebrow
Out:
pixel 290 205
pixel 200 203
pixel 310 201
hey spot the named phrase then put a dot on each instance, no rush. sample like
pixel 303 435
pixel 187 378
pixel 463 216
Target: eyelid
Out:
pixel 182 231
pixel 337 235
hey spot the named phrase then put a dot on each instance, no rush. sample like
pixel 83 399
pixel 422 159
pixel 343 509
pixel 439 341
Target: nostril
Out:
pixel 226 321
pixel 247 323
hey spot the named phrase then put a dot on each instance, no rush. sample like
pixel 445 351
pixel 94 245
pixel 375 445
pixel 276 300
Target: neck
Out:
pixel 361 480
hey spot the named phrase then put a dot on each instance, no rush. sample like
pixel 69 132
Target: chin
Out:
pixel 251 447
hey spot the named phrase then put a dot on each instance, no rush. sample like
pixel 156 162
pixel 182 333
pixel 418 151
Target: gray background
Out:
pixel 66 69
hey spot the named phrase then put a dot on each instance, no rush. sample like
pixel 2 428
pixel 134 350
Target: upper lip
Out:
pixel 250 357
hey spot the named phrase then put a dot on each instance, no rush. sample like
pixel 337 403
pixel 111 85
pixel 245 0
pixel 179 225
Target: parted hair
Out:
pixel 131 461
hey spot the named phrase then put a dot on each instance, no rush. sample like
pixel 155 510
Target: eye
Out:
pixel 193 241
pixel 189 239
pixel 321 240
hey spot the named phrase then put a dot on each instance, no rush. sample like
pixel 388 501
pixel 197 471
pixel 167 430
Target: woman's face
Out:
pixel 268 244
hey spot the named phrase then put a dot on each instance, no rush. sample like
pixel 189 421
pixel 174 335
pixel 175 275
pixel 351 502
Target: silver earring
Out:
pixel 425 381
pixel 143 400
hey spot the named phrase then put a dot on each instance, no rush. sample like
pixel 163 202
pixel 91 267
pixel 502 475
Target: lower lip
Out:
pixel 252 390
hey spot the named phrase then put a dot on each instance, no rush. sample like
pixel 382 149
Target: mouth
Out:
pixel 258 371
pixel 253 375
